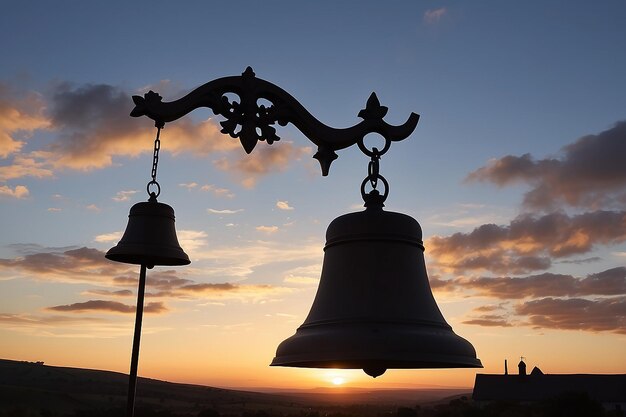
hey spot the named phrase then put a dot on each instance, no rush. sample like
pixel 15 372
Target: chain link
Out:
pixel 373 168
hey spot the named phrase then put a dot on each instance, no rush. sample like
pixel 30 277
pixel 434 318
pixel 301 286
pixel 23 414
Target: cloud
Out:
pixel 604 314
pixel 20 191
pixel 608 283
pixel 108 306
pixel 283 205
pixel 84 265
pixel 489 320
pixel 224 211
pixel 241 261
pixel 20 114
pixel 231 291
pixel 264 160
pixel 68 325
pixel 433 16
pixel 267 229
pixel 304 275
pixel 88 266
pixel 589 173
pixel 25 166
pixel 108 237
pixel 217 191
pixel 117 293
pixel 552 301
pixel 528 243
pixel 91 126
pixel 123 195
pixel 191 240
pixel 188 185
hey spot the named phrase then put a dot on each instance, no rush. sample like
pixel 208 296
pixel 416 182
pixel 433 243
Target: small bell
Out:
pixel 149 240
pixel 374 308
pixel 150 237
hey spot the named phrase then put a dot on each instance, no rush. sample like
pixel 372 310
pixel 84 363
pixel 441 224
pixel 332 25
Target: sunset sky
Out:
pixel 516 173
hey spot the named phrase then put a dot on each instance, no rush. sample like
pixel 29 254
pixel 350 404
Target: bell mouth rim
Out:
pixel 149 261
pixel 438 362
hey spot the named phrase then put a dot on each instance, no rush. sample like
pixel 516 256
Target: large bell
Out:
pixel 150 237
pixel 374 308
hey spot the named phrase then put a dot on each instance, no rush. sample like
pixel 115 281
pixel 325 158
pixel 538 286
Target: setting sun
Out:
pixel 338 380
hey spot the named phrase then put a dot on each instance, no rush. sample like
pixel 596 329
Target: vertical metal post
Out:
pixel 132 381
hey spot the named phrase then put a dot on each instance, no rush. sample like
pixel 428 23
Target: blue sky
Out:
pixel 520 107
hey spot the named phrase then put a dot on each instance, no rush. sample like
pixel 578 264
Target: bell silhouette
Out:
pixel 374 309
pixel 150 237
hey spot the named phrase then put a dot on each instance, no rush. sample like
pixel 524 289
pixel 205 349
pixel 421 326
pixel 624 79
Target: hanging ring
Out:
pixel 153 194
pixel 374 152
pixel 372 181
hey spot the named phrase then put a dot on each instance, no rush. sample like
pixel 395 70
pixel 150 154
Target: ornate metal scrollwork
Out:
pixel 251 122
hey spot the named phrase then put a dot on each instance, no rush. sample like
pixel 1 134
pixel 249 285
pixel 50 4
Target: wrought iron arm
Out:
pixel 251 122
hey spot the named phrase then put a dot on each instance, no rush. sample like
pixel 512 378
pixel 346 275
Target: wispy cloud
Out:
pixel 267 159
pixel 283 205
pixel 108 237
pixel 109 293
pixel 124 195
pixel 108 307
pixel 191 240
pixel 304 275
pixel 218 191
pixel 68 325
pixel 211 188
pixel 489 320
pixel 225 291
pixel 267 229
pixel 88 266
pixel 188 185
pixel 242 260
pixel 433 16
pixel 224 211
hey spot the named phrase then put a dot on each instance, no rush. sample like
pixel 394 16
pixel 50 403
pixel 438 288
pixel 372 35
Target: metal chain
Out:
pixel 155 164
pixel 373 176
pixel 155 156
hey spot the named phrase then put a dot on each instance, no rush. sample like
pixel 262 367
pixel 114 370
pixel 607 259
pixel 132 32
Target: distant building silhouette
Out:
pixel 609 390
pixel 522 367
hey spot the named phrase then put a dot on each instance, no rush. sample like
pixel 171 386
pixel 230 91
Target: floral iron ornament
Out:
pixel 251 122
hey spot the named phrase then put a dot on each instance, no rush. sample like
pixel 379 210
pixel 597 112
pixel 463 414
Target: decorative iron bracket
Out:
pixel 251 122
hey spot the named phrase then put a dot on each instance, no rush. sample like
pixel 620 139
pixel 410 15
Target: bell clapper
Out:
pixel 374 371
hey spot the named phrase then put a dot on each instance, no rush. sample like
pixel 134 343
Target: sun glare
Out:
pixel 338 380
